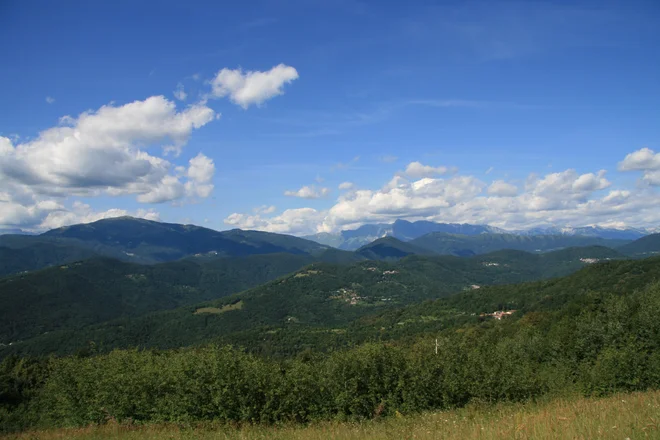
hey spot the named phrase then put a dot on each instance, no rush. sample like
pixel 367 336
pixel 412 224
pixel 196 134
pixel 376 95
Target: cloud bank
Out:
pixel 565 198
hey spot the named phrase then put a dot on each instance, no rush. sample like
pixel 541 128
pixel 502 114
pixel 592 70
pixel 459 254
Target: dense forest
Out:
pixel 96 290
pixel 116 304
pixel 566 338
pixel 465 245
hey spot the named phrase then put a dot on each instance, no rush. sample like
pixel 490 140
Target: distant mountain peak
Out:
pixel 157 241
pixel 407 231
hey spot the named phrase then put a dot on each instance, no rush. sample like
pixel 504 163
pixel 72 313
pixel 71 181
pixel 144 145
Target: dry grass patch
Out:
pixel 307 273
pixel 219 310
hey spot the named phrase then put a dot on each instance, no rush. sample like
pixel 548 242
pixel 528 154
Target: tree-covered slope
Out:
pixel 642 247
pixel 101 289
pixel 541 297
pixel 146 242
pixel 319 297
pixel 592 333
pixel 390 248
pixel 22 253
pixel 466 245
pixel 159 242
pixel 38 255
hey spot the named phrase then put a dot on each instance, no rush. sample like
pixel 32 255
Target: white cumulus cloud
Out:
pixel 252 87
pixel 83 213
pixel 502 189
pixel 102 152
pixel 200 173
pixel 292 221
pixel 641 160
pixel 568 183
pixel 417 169
pixel 169 188
pixel 308 192
pixel 645 160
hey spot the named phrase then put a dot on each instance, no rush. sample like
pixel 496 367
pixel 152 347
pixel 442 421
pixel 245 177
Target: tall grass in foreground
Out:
pixel 622 416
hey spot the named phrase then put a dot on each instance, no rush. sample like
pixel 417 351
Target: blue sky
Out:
pixel 516 114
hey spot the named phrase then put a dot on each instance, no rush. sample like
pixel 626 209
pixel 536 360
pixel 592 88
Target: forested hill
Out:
pixel 100 289
pixel 167 241
pixel 389 248
pixel 147 242
pixel 38 254
pixel 319 296
pixel 466 245
pixel 539 300
pixel 643 247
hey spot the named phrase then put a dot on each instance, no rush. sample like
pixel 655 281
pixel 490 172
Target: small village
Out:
pixel 498 314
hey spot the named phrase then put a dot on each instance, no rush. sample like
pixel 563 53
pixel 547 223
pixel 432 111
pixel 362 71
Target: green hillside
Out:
pixel 642 247
pixel 97 290
pixel 390 248
pixel 592 333
pixel 147 242
pixel 320 297
pixel 157 242
pixel 576 290
pixel 22 253
pixel 38 255
pixel 466 245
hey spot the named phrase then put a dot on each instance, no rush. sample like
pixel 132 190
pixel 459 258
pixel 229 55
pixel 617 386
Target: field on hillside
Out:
pixel 622 416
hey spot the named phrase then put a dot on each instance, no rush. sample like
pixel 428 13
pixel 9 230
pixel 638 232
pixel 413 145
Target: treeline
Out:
pixel 611 343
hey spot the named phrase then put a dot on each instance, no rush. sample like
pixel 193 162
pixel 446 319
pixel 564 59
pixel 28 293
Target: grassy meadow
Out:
pixel 621 416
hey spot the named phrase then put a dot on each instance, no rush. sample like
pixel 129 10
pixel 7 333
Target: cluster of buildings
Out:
pixel 348 295
pixel 498 314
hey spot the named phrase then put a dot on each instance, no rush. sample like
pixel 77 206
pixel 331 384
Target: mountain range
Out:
pixel 149 242
pixel 407 231
pixel 157 242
